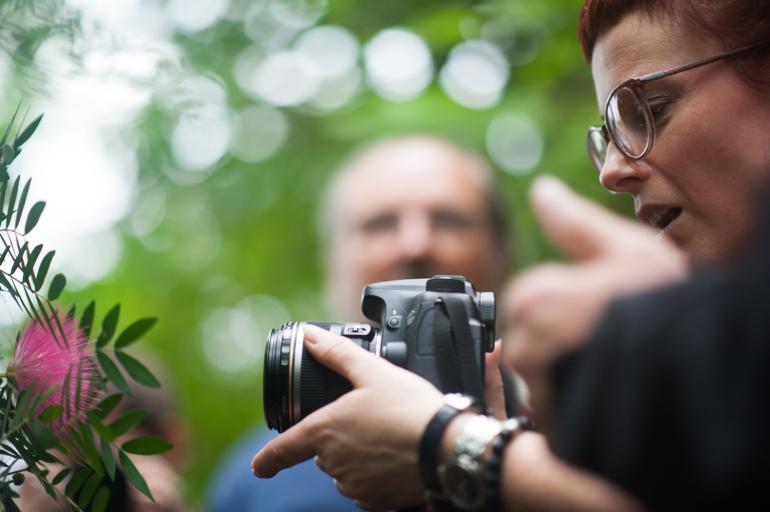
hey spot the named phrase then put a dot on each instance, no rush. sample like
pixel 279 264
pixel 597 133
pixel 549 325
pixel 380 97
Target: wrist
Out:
pixel 430 444
pixel 471 457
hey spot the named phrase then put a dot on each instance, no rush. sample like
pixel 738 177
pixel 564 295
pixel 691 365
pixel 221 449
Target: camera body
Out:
pixel 438 328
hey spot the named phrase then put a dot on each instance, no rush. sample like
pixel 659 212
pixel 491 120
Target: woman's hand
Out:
pixel 552 308
pixel 368 439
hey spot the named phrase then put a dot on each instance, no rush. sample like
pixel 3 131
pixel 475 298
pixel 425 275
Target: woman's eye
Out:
pixel 659 108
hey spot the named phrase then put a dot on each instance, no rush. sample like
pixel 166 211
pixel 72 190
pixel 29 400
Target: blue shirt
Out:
pixel 302 488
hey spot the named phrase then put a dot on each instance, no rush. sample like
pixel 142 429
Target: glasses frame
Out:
pixel 636 86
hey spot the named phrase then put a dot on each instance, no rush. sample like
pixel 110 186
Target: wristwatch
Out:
pixel 462 477
pixel 454 404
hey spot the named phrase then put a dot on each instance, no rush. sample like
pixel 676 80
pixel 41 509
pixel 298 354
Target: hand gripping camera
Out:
pixel 438 328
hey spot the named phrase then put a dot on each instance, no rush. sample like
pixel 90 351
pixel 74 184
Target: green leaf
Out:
pixel 99 427
pixel 113 374
pixel 27 132
pixel 58 283
pixel 90 450
pixel 101 500
pixel 78 479
pixel 4 282
pixel 55 315
pixel 134 331
pixel 128 421
pixel 147 445
pixel 51 413
pixel 50 491
pixel 87 320
pixel 22 202
pixel 107 405
pixel 12 202
pixel 33 216
pixel 133 475
pixel 3 190
pixel 42 270
pixel 108 459
pixel 60 476
pixel 109 323
pixel 8 154
pixel 24 405
pixel 89 489
pixel 137 370
pixel 10 123
pixel 8 504
pixel 43 435
pixel 19 258
pixel 29 266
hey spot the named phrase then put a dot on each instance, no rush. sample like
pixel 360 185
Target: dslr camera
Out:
pixel 439 328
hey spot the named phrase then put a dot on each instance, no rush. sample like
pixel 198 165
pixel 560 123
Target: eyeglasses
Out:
pixel 628 119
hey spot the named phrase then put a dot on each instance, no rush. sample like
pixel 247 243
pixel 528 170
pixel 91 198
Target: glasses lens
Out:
pixel 597 147
pixel 627 122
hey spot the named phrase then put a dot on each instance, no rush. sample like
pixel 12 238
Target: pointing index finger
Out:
pixel 290 448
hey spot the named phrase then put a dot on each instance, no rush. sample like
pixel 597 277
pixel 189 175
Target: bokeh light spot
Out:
pixel 398 64
pixel 475 74
pixel 285 78
pixel 298 13
pixel 201 137
pixel 234 338
pixel 196 15
pixel 514 143
pixel 333 49
pixel 261 132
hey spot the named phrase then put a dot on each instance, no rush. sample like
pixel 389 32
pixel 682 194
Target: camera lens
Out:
pixel 295 384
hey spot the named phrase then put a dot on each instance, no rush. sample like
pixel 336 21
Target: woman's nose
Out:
pixel 621 174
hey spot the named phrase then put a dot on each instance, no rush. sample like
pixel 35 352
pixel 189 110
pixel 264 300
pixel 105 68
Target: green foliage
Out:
pixel 32 428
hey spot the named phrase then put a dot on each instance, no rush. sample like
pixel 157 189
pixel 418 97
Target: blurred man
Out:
pixel 401 208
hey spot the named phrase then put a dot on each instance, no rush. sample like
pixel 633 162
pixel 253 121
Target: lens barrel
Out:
pixel 295 383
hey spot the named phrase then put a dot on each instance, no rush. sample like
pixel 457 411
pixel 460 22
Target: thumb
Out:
pixel 576 225
pixel 339 354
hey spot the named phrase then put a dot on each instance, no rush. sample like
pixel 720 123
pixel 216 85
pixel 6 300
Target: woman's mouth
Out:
pixel 665 217
pixel 658 216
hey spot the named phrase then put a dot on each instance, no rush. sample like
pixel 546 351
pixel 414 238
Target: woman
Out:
pixel 689 140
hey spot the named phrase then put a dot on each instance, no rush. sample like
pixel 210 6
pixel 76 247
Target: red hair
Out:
pixel 733 23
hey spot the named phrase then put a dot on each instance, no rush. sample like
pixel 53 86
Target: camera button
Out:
pixel 394 322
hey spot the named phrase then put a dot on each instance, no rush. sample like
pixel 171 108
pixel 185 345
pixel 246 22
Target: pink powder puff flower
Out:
pixel 41 361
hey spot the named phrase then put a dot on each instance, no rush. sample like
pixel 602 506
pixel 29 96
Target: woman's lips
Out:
pixel 667 218
pixel 659 216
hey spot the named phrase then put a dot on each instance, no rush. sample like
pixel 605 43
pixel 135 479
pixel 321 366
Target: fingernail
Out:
pixel 308 329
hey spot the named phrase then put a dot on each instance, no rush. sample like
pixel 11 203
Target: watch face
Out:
pixel 462 487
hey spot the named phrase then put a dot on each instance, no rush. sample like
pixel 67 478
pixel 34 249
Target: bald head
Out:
pixel 411 207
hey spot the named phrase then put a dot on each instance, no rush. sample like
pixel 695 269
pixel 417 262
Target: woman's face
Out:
pixel 699 184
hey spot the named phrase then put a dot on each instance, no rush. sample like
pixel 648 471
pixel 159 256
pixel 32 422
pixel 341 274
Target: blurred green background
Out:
pixel 204 130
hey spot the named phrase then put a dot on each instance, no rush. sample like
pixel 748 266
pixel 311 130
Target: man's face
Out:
pixel 412 212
